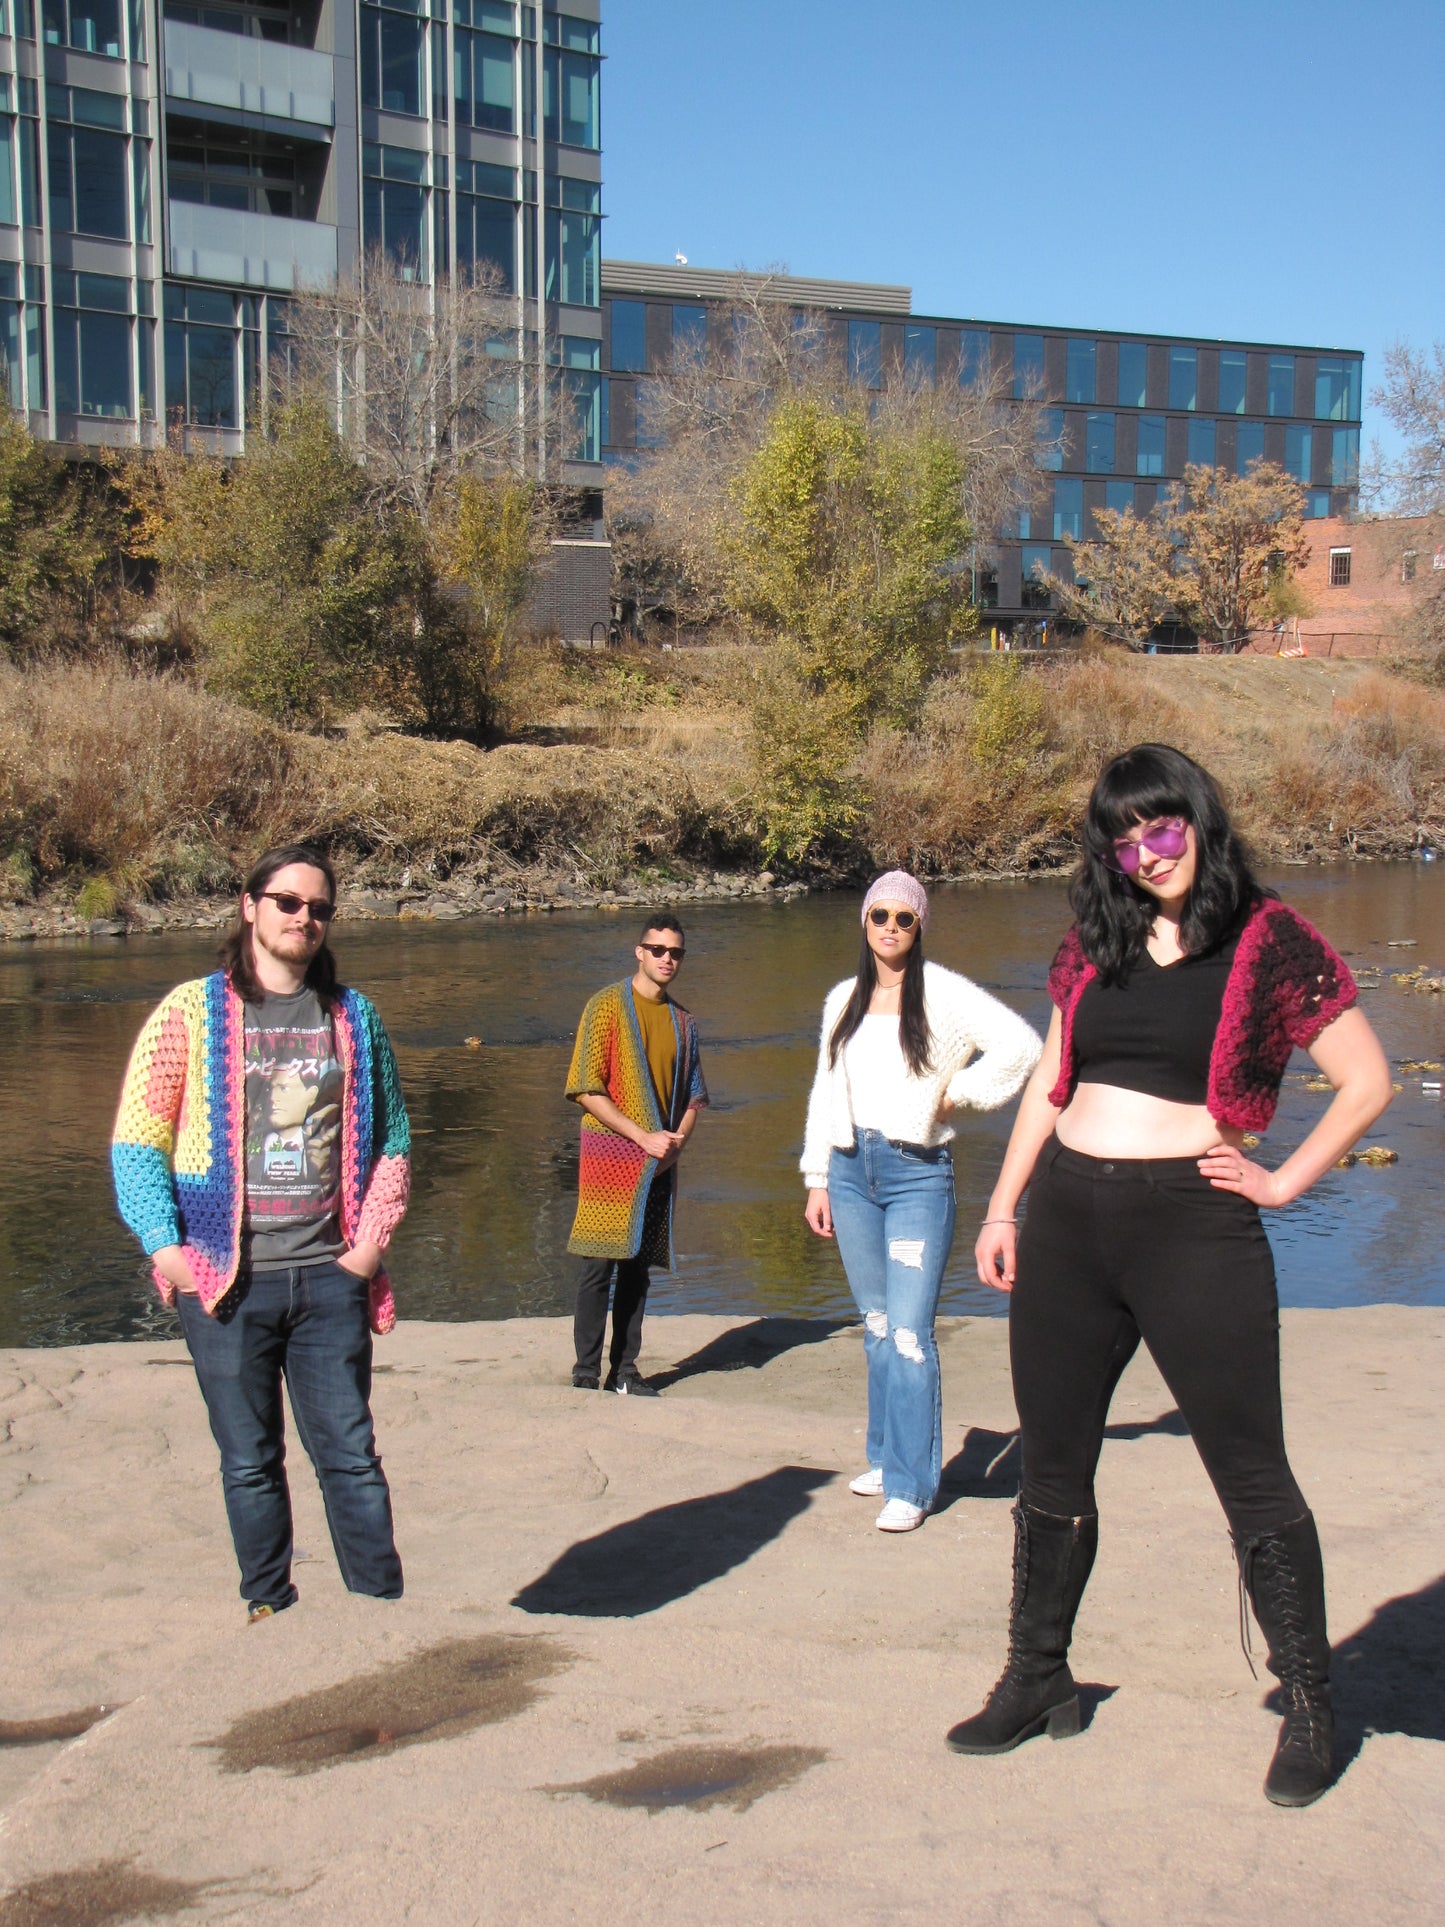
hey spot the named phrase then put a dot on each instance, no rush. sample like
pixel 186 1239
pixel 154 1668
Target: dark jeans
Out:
pixel 1114 1251
pixel 594 1276
pixel 308 1325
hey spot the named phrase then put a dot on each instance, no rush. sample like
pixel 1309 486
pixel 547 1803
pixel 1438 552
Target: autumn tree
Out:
pixel 53 537
pixel 1123 583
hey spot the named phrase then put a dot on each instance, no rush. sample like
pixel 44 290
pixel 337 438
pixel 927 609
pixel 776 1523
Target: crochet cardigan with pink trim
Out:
pixel 1284 986
pixel 179 1151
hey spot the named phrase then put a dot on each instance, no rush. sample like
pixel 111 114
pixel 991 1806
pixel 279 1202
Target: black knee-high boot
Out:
pixel 1284 1576
pixel 1053 1558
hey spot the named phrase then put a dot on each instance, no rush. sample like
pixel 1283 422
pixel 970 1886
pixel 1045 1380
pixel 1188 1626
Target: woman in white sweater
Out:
pixel 903 1043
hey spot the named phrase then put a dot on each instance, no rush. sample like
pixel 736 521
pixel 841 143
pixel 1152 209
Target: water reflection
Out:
pixel 495 1150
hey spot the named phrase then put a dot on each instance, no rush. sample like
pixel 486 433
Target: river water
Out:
pixel 495 1142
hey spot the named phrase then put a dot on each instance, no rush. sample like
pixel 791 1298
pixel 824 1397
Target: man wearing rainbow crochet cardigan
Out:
pixel 262 1157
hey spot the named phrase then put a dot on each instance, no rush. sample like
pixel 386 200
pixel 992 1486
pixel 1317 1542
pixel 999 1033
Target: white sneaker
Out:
pixel 869 1484
pixel 898 1515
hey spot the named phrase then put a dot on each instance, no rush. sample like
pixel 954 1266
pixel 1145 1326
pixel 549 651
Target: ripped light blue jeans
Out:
pixel 893 1209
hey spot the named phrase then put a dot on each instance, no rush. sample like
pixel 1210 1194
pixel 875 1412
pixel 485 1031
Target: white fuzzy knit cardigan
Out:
pixel 982 1055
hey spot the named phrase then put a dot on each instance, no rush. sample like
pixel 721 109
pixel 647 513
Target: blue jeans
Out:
pixel 892 1207
pixel 308 1324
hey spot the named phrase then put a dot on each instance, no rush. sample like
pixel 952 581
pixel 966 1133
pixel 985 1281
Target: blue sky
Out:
pixel 1271 172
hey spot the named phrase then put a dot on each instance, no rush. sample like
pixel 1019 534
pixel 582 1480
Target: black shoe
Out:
pixel 631 1385
pixel 584 1381
pixel 1283 1575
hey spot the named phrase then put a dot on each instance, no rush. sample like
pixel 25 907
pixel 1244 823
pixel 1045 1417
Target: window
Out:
pixel 972 356
pixel 216 172
pixel 92 345
pixel 1034 561
pixel 1281 384
pixel 920 355
pixel 651 413
pixel 1079 381
pixel 497 16
pixel 629 336
pixel 1407 565
pixel 1201 443
pixel 1183 378
pixel 1133 374
pixel 1068 507
pixel 1337 389
pixel 487 221
pixel 1028 366
pixel 1339 568
pixel 1298 449
pixel 394 206
pixel 1019 524
pixel 201 386
pixel 485 80
pixel 569 96
pixel 89 177
pixel 1049 449
pixel 689 329
pixel 1345 457
pixel 1099 444
pixel 91 25
pixel 22 375
pixel 865 353
pixel 574 243
pixel 1248 446
pixel 393 56
pixel 1119 496
pixel 9 205
pixel 1151 445
pixel 580 360
pixel 1233 371
pixel 1317 504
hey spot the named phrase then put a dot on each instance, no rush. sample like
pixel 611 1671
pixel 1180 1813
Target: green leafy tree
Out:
pixel 843 531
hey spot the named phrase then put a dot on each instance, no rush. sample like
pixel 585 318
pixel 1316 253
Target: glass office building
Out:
pixel 171 171
pixel 1121 415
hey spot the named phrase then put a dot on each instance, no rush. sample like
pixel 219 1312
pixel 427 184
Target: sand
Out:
pixel 655 1663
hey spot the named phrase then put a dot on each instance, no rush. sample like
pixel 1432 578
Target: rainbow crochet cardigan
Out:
pixel 1284 986
pixel 178 1154
pixel 614 1180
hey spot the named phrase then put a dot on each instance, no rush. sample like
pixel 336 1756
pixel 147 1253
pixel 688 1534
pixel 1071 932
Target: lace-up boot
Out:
pixel 1283 1575
pixel 1053 1558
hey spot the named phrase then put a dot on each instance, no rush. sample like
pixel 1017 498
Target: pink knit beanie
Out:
pixel 896 886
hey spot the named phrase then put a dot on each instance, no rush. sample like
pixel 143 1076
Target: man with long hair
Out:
pixel 637 1076
pixel 262 1157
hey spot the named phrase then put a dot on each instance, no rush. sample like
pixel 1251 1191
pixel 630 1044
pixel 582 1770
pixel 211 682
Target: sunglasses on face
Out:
pixel 1168 837
pixel 905 919
pixel 317 908
pixel 675 951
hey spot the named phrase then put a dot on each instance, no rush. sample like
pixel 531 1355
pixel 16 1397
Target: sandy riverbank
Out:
pixel 678 1603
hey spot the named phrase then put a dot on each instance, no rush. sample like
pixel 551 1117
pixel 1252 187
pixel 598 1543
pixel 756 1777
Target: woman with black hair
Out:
pixel 1180 991
pixel 903 1042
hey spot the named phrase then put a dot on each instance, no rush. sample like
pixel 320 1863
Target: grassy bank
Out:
pixel 118 788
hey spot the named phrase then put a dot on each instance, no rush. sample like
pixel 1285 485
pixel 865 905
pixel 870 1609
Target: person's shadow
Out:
pixel 648 1562
pixel 750 1347
pixel 988 1465
pixel 1388 1676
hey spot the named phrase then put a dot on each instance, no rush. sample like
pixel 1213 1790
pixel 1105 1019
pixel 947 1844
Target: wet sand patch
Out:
pixel 56 1726
pixel 108 1892
pixel 436 1694
pixel 699 1777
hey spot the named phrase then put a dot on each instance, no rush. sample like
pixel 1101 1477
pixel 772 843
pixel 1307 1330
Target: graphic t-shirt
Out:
pixel 293 1133
pixel 659 1045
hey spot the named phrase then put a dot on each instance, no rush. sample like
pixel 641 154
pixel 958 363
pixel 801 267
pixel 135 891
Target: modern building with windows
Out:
pixel 1122 415
pixel 172 171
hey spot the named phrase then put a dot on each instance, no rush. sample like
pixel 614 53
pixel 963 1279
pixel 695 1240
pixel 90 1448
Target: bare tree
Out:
pixel 1412 398
pixel 426 382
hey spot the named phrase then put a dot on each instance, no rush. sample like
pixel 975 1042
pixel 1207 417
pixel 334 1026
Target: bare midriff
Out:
pixel 1103 1121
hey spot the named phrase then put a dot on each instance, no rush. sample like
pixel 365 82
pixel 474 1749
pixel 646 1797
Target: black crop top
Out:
pixel 1155 1031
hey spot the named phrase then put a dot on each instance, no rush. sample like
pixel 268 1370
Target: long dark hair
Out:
pixel 237 958
pixel 913 1031
pixel 1114 915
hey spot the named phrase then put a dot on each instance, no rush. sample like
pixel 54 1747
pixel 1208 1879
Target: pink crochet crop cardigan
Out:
pixel 1285 985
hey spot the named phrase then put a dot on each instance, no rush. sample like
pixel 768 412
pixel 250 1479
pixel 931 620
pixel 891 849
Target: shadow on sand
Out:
pixel 1387 1676
pixel 750 1347
pixel 647 1563
pixel 988 1465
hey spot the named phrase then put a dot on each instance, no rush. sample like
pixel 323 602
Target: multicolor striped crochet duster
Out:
pixel 617 1216
pixel 179 1150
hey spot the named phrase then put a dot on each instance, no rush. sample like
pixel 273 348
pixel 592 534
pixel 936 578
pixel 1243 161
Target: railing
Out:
pixel 249 76
pixel 249 250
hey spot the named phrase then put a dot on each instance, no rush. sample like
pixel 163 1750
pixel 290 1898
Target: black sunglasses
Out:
pixel 905 919
pixel 317 908
pixel 675 951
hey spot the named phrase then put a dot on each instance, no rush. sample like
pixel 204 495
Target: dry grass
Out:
pixel 144 786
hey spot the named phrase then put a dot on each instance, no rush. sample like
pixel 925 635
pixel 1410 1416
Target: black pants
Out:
pixel 594 1276
pixel 1114 1251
